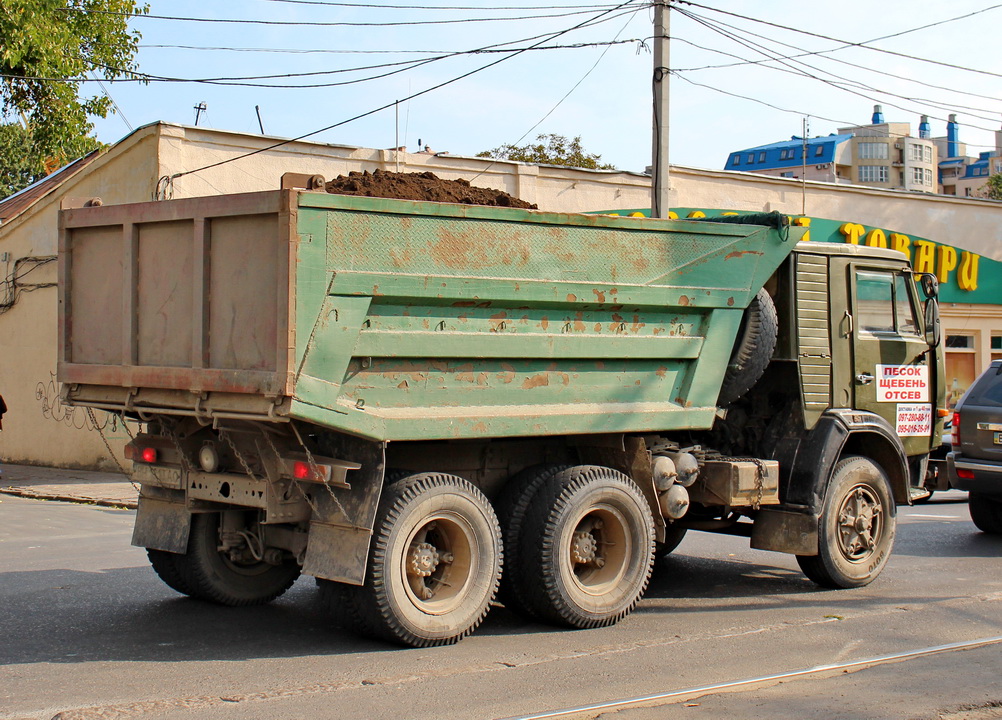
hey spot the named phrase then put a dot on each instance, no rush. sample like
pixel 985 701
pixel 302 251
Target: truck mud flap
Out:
pixel 785 531
pixel 162 520
pixel 341 525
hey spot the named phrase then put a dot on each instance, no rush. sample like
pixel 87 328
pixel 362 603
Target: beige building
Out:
pixel 37 429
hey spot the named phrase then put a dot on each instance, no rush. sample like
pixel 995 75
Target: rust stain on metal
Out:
pixel 544 323
pixel 730 301
pixel 598 327
pixel 508 376
pixel 479 427
pixel 579 325
pixel 403 385
pixel 600 296
pixel 464 303
pixel 661 371
pixel 540 380
pixel 564 378
pixel 741 253
pixel 683 300
pixel 636 325
pixel 637 383
pixel 401 258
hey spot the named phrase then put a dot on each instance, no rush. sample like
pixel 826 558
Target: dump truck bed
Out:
pixel 401 320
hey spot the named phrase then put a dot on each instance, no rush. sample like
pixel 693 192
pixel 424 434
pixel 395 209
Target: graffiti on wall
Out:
pixel 80 418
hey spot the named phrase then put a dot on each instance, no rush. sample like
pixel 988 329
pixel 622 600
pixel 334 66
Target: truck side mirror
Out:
pixel 930 285
pixel 932 326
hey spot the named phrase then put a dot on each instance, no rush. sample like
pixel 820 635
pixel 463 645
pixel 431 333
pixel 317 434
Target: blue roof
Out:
pixel 957 161
pixel 787 153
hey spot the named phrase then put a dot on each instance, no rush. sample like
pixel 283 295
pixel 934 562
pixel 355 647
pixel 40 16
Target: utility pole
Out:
pixel 659 160
pixel 199 109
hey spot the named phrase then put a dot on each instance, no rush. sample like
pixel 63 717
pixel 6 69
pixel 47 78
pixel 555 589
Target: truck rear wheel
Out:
pixel 986 513
pixel 587 548
pixel 212 575
pixel 434 563
pixel 511 506
pixel 166 566
pixel 856 529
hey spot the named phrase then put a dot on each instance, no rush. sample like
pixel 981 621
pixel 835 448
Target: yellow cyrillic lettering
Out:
pixel 925 256
pixel 947 262
pixel 876 238
pixel 852 231
pixel 902 243
pixel 968 279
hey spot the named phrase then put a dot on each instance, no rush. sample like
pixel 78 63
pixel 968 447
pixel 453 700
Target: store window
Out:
pixel 996 347
pixel 961 366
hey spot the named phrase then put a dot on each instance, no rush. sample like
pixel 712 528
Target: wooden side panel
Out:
pixel 96 284
pixel 246 271
pixel 165 293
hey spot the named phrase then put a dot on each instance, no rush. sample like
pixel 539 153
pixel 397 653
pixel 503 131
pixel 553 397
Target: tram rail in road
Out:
pixel 676 695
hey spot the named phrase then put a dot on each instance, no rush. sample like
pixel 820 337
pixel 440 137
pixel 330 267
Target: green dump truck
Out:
pixel 427 405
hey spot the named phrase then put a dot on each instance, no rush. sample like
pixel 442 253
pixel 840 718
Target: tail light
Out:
pixel 965 474
pixel 955 434
pixel 319 469
pixel 139 453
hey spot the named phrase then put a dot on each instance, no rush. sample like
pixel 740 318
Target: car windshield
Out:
pixel 987 391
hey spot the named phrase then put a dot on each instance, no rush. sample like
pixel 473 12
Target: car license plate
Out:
pixel 998 438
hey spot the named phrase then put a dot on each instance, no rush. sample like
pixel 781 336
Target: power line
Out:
pixel 437 7
pixel 848 43
pixel 842 86
pixel 168 180
pixel 326 51
pixel 795 58
pixel 318 23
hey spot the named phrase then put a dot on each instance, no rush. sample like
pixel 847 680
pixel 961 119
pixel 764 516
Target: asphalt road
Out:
pixel 87 631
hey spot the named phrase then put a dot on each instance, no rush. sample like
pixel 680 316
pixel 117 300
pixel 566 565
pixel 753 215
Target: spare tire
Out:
pixel 752 350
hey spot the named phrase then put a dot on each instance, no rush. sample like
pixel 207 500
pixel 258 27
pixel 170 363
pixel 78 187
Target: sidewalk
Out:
pixel 110 489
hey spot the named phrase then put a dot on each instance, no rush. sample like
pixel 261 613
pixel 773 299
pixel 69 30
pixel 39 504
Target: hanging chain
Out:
pixel 100 431
pixel 316 472
pixel 296 483
pixel 238 455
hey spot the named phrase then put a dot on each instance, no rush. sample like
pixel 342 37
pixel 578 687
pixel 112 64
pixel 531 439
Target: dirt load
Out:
pixel 420 186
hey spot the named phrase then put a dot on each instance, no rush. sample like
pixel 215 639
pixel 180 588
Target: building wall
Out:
pixel 38 430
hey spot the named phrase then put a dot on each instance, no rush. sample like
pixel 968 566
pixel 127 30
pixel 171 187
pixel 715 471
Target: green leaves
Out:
pixel 46 48
pixel 550 149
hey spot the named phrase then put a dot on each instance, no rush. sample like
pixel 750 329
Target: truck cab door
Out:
pixel 893 376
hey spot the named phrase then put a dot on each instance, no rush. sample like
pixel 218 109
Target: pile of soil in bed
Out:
pixel 420 186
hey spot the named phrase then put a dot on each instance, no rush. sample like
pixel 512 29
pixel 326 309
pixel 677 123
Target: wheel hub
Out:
pixel 584 548
pixel 860 520
pixel 423 559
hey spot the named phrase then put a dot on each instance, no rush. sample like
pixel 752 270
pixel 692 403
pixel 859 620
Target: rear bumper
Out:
pixel 987 478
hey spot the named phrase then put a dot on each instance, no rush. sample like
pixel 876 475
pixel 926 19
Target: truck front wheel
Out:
pixel 587 548
pixel 856 530
pixel 208 573
pixel 434 564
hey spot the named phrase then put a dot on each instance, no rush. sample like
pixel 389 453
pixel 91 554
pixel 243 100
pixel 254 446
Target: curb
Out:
pixel 79 499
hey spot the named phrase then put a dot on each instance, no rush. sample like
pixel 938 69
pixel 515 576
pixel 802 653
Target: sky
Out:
pixel 723 97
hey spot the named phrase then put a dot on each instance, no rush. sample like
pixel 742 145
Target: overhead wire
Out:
pixel 339 23
pixel 844 81
pixel 566 95
pixel 864 45
pixel 167 181
pixel 845 85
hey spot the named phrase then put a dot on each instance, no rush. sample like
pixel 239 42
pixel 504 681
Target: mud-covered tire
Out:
pixel 165 565
pixel 856 529
pixel 587 548
pixel 986 513
pixel 434 564
pixel 210 575
pixel 752 350
pixel 511 506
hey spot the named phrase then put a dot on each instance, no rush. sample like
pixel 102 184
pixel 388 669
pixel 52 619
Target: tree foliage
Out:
pixel 993 188
pixel 550 149
pixel 47 47
pixel 21 164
